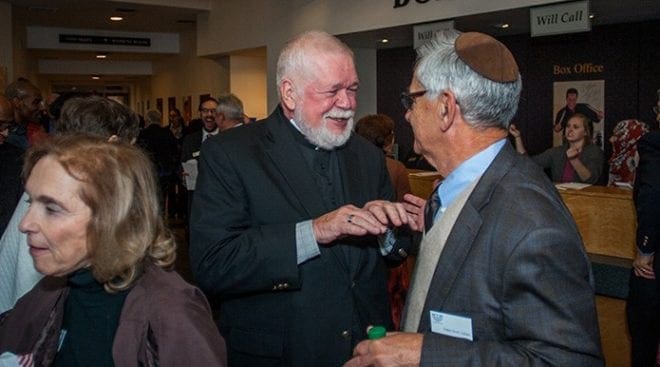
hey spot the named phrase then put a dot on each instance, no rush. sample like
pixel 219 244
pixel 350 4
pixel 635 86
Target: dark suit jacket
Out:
pixel 160 145
pixel 647 193
pixel 253 187
pixel 192 143
pixel 514 263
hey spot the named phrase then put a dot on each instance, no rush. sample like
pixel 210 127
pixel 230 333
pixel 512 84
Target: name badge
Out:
pixel 195 154
pixel 451 325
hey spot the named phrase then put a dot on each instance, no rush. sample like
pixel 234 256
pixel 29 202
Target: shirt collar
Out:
pixel 466 173
pixel 207 133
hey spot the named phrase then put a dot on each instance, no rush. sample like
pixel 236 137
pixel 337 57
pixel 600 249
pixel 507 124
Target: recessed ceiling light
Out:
pixel 592 16
pixel 96 77
pixel 101 56
pixel 384 40
pixel 116 19
pixel 504 25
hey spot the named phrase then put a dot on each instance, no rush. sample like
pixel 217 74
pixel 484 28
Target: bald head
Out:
pixel 26 99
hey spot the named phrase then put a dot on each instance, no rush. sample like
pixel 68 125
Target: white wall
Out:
pixel 186 74
pixel 247 80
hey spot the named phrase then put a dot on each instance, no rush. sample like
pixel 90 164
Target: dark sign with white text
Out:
pixel 105 40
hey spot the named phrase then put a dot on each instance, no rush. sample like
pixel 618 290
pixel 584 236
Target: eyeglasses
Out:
pixel 408 98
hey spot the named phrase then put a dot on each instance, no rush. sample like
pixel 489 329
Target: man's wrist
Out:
pixel 640 253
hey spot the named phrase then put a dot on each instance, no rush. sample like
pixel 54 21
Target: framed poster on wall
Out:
pixel 580 96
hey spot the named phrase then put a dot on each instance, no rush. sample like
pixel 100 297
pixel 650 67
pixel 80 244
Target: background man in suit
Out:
pixel 160 144
pixel 285 219
pixel 229 113
pixel 192 143
pixel 512 285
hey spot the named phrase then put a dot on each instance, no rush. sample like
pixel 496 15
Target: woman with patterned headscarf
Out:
pixel 624 157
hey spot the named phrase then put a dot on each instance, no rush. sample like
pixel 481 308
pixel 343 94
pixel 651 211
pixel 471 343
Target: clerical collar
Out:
pixel 304 139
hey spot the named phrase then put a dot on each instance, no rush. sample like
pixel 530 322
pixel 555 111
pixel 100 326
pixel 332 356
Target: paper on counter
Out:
pixel 571 185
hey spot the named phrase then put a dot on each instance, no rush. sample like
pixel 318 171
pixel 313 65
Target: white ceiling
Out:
pixel 139 17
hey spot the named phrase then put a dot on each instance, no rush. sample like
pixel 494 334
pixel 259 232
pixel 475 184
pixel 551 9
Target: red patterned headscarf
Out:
pixel 624 151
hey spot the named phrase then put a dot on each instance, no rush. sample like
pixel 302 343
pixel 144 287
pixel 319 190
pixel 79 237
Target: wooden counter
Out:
pixel 605 216
pixel 606 219
pixel 421 182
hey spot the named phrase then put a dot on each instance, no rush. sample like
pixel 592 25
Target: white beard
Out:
pixel 321 136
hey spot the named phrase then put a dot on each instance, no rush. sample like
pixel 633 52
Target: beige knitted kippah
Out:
pixel 487 56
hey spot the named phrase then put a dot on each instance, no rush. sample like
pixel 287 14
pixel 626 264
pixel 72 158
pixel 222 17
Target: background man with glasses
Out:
pixel 501 277
pixel 192 143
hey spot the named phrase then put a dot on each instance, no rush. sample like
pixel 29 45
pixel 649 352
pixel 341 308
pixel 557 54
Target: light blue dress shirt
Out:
pixel 465 174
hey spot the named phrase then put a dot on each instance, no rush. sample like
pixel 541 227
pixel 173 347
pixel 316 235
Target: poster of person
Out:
pixel 580 96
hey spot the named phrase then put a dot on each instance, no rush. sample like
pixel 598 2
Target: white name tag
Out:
pixel 451 325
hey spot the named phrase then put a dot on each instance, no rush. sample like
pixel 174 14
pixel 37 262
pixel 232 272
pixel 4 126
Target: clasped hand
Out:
pixel 373 219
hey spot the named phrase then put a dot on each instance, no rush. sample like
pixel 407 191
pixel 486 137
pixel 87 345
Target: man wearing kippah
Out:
pixel 502 277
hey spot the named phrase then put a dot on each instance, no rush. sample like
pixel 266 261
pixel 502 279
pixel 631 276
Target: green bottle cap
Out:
pixel 377 332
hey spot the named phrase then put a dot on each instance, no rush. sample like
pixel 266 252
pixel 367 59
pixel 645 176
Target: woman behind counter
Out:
pixel 577 160
pixel 107 298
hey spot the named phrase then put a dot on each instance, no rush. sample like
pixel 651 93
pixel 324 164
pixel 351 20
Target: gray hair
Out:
pixel 153 117
pixel 294 60
pixel 230 106
pixel 483 102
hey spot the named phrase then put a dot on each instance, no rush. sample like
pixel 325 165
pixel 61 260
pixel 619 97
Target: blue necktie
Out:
pixel 431 209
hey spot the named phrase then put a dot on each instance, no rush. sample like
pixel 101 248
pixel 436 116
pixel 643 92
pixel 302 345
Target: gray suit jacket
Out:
pixel 515 264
